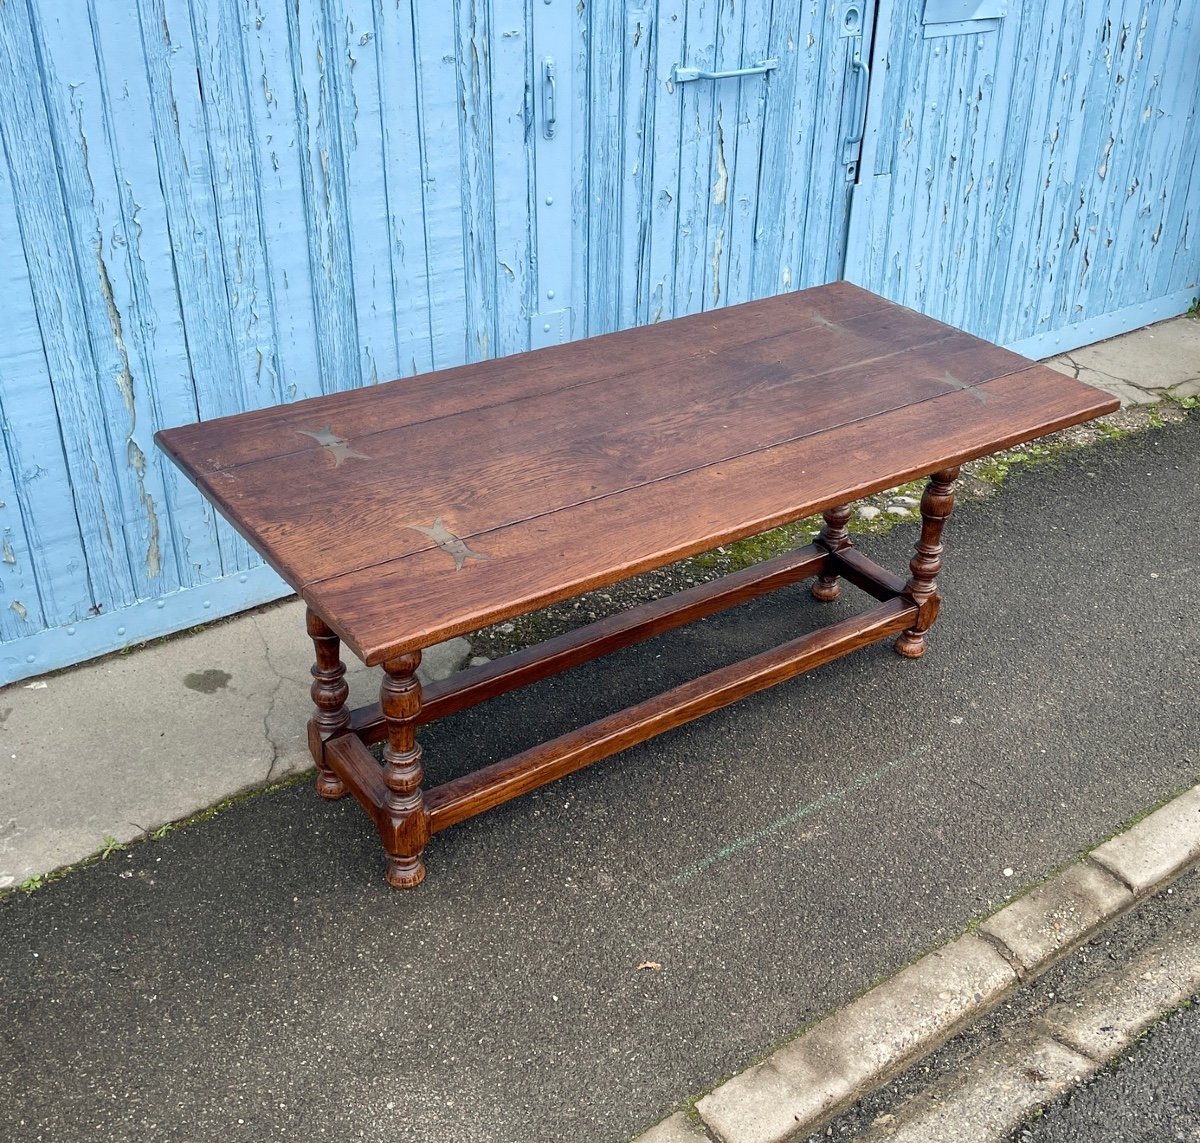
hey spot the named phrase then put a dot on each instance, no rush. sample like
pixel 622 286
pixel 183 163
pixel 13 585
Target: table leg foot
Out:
pixel 405 872
pixel 329 693
pixel 911 644
pixel 834 536
pixel 936 505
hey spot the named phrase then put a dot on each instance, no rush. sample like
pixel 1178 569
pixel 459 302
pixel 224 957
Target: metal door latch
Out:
pixel 687 74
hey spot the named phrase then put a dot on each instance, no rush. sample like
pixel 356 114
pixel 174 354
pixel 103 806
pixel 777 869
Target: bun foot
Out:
pixel 826 590
pixel 911 644
pixel 405 872
pixel 330 786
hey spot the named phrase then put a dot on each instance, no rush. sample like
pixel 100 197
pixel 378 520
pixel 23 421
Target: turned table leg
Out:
pixel 406 829
pixel 834 536
pixel 936 505
pixel 329 692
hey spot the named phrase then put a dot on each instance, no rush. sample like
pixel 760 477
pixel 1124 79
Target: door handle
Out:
pixel 687 74
pixel 549 90
pixel 859 68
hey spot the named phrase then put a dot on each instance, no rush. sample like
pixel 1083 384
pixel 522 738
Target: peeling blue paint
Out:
pixel 216 206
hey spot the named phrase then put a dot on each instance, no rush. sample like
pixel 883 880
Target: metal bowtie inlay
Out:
pixel 339 448
pixel 450 543
pixel 964 387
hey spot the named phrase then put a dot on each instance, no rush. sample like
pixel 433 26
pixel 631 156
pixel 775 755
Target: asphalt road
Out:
pixel 1152 1096
pixel 252 977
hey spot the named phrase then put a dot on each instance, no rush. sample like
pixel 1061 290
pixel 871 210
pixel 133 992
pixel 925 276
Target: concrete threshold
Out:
pixel 801 1086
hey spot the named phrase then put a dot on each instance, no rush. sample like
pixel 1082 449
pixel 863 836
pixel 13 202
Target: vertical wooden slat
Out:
pixel 697 142
pixel 365 176
pixel 274 137
pixel 789 132
pixel 50 184
pixel 665 140
pixel 435 46
pixel 43 575
pixel 400 148
pixel 511 133
pixel 606 129
pixel 473 55
pixel 637 99
pixel 321 90
pixel 723 153
pixel 136 323
pixel 745 178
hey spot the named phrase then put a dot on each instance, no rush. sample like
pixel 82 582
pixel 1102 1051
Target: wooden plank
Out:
pixel 368 182
pixel 509 127
pixel 436 65
pixel 350 760
pixel 754 152
pixel 44 575
pixel 561 554
pixel 156 95
pixel 663 160
pixel 696 143
pixel 267 433
pixel 866 574
pixel 477 684
pixel 400 143
pixel 321 88
pixel 603 220
pixel 52 195
pixel 274 137
pixel 491 786
pixel 509 464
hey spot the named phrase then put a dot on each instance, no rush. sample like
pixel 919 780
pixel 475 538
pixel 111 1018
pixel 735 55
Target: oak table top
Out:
pixel 415 510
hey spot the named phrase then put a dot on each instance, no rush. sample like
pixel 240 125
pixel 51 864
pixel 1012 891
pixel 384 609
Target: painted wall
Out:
pixel 1037 183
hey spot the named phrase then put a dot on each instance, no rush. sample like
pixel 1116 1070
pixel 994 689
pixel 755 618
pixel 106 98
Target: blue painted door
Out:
pixel 1032 175
pixel 212 205
pixel 704 192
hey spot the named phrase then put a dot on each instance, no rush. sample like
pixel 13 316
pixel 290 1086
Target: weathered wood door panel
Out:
pixel 1035 182
pixel 208 207
pixel 703 193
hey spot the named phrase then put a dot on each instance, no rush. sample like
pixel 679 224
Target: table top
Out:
pixel 411 511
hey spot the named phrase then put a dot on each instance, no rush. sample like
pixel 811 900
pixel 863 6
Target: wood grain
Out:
pixel 560 554
pixel 493 785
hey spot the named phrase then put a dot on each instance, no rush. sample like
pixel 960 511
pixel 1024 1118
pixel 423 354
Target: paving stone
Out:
pixel 1158 357
pixel 1156 848
pixel 1058 915
pixel 1126 391
pixel 442 659
pixel 860 1046
pixel 869 511
pixel 677 1129
pixel 1106 1020
pixel 998 1093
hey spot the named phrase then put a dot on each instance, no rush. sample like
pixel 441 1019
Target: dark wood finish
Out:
pixel 356 767
pixel 867 575
pixel 833 537
pixel 408 822
pixel 407 513
pixel 493 785
pixel 936 505
pixel 477 684
pixel 557 555
pixel 329 692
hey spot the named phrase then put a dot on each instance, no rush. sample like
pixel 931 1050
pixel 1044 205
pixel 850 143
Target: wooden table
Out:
pixel 410 512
